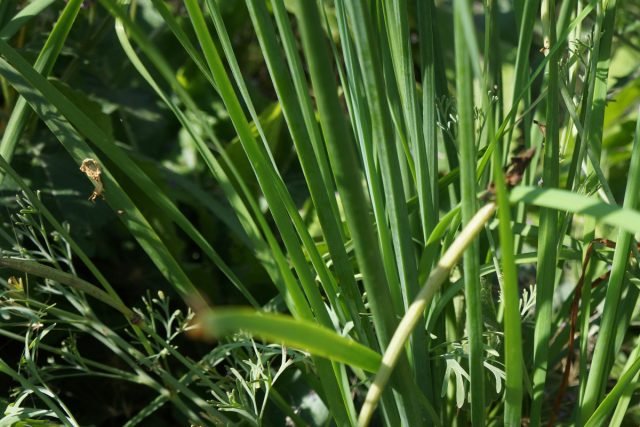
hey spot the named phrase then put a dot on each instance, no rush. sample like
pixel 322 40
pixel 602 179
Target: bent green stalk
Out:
pixel 37 269
pixel 416 309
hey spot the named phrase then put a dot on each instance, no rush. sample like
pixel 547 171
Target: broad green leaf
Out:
pixel 562 200
pixel 285 330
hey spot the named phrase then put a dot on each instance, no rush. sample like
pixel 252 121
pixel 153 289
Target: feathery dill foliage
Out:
pixel 389 213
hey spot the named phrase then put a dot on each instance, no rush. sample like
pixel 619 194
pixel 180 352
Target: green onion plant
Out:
pixel 339 212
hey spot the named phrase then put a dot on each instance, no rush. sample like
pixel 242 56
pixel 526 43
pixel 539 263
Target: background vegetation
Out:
pixel 390 212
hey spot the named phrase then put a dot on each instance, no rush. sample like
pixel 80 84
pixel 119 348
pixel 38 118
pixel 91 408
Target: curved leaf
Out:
pixel 288 331
pixel 601 414
pixel 626 219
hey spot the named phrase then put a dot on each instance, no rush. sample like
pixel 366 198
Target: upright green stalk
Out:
pixel 344 163
pixel 6 7
pixel 468 188
pixel 359 111
pixel 44 64
pixel 383 139
pixel 427 28
pixel 397 26
pixel 509 310
pixel 342 156
pixel 281 205
pixel 525 37
pixel 592 143
pixel 319 191
pixel 513 358
pixel 548 238
pixel 603 355
pixel 399 44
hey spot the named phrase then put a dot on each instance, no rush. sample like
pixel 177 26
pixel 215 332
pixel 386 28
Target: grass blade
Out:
pixel 600 415
pixel 44 64
pixel 602 356
pixel 438 275
pixel 290 332
pixel 25 15
pixel 468 188
pixel 548 239
pixel 40 270
pixel 624 218
pixel 134 221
